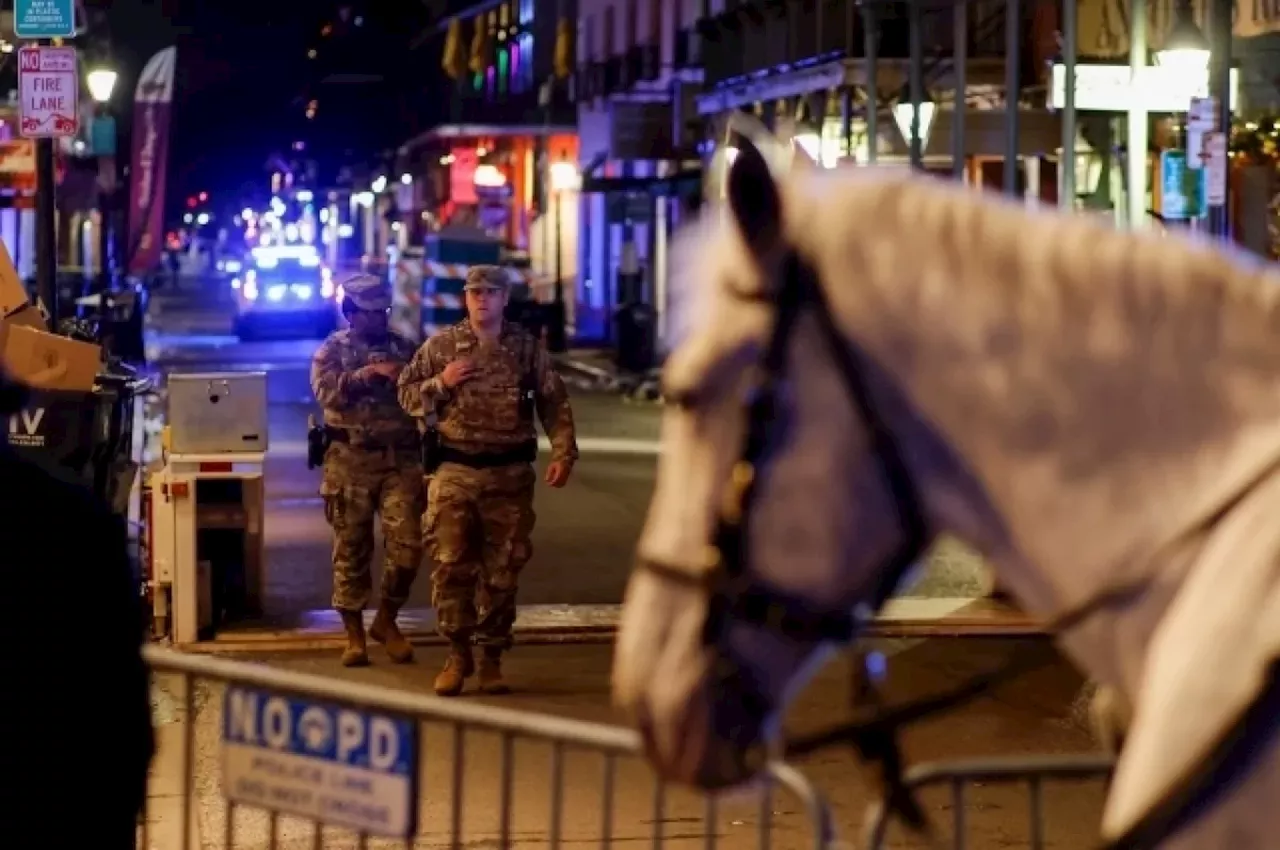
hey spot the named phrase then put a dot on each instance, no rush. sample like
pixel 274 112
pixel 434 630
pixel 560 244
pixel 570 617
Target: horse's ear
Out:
pixel 755 201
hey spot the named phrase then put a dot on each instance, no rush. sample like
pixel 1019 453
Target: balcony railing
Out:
pixel 621 73
pixel 757 36
pixel 522 109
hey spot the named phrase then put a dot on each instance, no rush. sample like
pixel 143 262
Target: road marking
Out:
pixel 586 445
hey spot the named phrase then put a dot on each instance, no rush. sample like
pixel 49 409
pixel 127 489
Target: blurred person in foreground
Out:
pixel 76 704
pixel 483 381
pixel 372 467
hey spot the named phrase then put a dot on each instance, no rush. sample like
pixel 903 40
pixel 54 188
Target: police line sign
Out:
pixel 333 764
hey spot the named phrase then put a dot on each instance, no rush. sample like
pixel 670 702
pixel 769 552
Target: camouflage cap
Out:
pixel 488 277
pixel 367 292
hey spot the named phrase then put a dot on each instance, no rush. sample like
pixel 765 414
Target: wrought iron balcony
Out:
pixel 754 37
pixel 511 110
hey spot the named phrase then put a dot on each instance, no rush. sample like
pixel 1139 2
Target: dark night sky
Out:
pixel 242 67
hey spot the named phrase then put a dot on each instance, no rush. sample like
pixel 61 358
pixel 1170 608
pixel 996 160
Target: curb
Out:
pixel 598 635
pixel 632 388
pixel 585 370
pixel 957 627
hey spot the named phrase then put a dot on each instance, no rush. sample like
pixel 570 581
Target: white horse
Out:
pixel 1096 411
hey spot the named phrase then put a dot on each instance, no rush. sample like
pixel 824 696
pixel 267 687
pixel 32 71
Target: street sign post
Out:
pixel 49 92
pixel 48 108
pixel 43 19
pixel 1181 189
pixel 337 765
pixel 1215 145
pixel 1202 118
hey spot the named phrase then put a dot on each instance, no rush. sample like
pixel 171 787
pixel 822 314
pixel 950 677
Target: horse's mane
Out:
pixel 1029 272
pixel 1047 269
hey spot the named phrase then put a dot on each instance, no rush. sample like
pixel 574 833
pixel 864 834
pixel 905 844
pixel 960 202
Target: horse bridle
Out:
pixel 734 596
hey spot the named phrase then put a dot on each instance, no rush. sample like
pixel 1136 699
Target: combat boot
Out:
pixel 457 669
pixel 357 652
pixel 491 681
pixel 385 631
pixel 384 628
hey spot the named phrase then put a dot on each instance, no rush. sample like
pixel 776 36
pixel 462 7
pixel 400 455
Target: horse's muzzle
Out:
pixel 727 765
pixel 736 750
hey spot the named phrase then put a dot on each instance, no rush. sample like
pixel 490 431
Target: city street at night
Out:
pixel 585 535
pixel 569 596
pixel 999 277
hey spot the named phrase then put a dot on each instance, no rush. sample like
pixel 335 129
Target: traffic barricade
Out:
pixel 959 779
pixel 253 756
pixel 442 300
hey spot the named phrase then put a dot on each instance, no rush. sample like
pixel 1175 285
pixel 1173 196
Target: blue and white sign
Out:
pixel 44 18
pixel 331 763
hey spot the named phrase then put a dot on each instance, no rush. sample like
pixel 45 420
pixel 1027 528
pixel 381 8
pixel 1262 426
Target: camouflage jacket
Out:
pixel 368 409
pixel 483 414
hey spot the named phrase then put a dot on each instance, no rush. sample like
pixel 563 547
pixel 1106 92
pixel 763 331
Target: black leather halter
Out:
pixel 737 597
pixel 735 594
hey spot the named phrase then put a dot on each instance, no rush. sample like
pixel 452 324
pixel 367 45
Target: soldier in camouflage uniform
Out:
pixel 372 466
pixel 482 380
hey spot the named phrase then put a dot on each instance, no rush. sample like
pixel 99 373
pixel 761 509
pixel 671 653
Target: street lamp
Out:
pixel 903 112
pixel 564 177
pixel 101 82
pixel 1185 48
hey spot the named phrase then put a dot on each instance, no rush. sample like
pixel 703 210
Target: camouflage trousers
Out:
pixel 477 530
pixel 357 484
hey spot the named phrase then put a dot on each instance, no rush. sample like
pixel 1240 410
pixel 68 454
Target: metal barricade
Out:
pixel 959 775
pixel 299 760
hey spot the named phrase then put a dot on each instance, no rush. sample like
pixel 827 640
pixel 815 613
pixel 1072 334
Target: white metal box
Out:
pixel 218 413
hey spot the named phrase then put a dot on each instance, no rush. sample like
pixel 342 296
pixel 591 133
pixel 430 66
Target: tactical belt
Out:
pixel 342 435
pixel 523 453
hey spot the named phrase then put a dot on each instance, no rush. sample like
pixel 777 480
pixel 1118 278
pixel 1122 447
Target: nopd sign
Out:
pixel 49 92
pixel 331 763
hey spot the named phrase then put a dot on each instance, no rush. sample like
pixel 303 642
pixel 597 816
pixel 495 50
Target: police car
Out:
pixel 285 290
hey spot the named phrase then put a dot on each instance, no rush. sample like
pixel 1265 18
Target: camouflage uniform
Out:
pixel 479 520
pixel 372 466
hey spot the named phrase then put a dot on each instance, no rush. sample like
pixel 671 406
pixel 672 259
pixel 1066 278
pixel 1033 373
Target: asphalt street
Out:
pixel 1038 713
